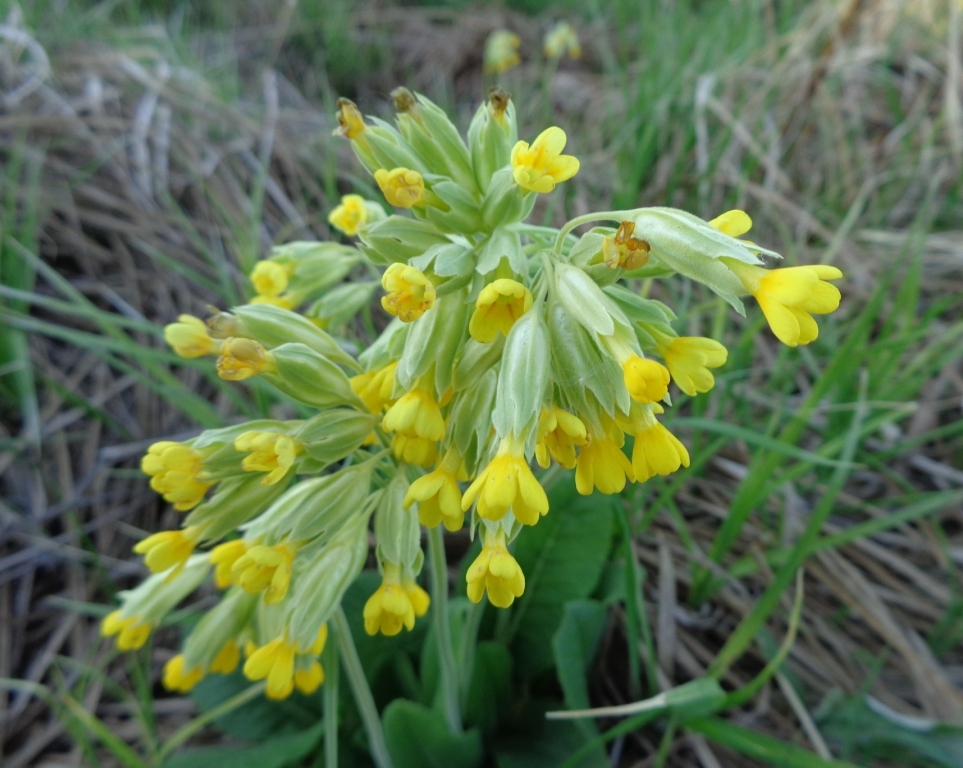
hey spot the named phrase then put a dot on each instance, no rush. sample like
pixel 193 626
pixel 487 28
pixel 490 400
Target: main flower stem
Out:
pixel 361 691
pixel 332 672
pixel 446 653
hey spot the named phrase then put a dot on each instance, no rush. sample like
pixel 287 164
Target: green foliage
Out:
pixel 276 752
pixel 418 738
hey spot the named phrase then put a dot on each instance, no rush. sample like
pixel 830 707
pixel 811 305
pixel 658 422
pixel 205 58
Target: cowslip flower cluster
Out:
pixel 507 343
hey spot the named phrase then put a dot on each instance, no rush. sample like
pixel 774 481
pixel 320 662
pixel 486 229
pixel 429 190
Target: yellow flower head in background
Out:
pixel 562 39
pixel 189 337
pixel 401 187
pixel 270 452
pixel 410 292
pixel 507 483
pixel 178 678
pixel 131 631
pixel 495 571
pixel 270 279
pixel 176 471
pixel 501 51
pixel 350 215
pixel 498 306
pixel 539 167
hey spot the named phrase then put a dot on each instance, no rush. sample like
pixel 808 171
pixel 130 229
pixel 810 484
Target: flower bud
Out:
pixel 236 501
pixel 470 419
pixel 325 578
pixel 434 341
pixel 399 239
pixel 524 376
pixel 189 337
pixel 340 305
pixel 310 378
pixel 505 201
pixel 241 359
pixel 354 213
pixel 492 134
pixel 221 625
pixel 434 137
pixel 332 435
pixel 410 293
pixel 402 187
pixel 274 326
pixel 396 528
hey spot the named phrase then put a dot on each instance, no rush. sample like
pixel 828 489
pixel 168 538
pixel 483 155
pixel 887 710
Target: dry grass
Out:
pixel 156 193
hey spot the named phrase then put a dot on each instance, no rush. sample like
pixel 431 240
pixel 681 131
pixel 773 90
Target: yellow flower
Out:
pixel 601 464
pixel 178 678
pixel 507 483
pixel 189 337
pixel 274 661
pixel 375 387
pixel 270 278
pixel 733 223
pixel 223 557
pixel 132 631
pixel 657 451
pixel 350 120
pixel 646 380
pixel 498 306
pixel 227 659
pixel 416 414
pixel 438 494
pixel 790 297
pixel 269 452
pixel 169 549
pixel 558 434
pixel 689 359
pixel 394 605
pixel 624 250
pixel 540 167
pixel 350 215
pixel 496 572
pixel 501 51
pixel 414 450
pixel 175 470
pixel 265 569
pixel 403 188
pixel 410 293
pixel 243 358
pixel 308 679
pixel 562 39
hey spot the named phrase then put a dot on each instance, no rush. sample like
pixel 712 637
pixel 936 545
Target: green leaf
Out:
pixel 574 646
pixel 418 737
pixel 562 557
pixel 548 747
pixel 867 731
pixel 275 753
pixel 490 689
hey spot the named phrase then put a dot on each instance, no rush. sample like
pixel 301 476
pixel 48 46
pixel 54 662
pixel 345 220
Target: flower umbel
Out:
pixel 539 167
pixel 410 293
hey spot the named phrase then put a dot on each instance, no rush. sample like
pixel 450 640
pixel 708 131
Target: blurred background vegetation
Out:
pixel 152 150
